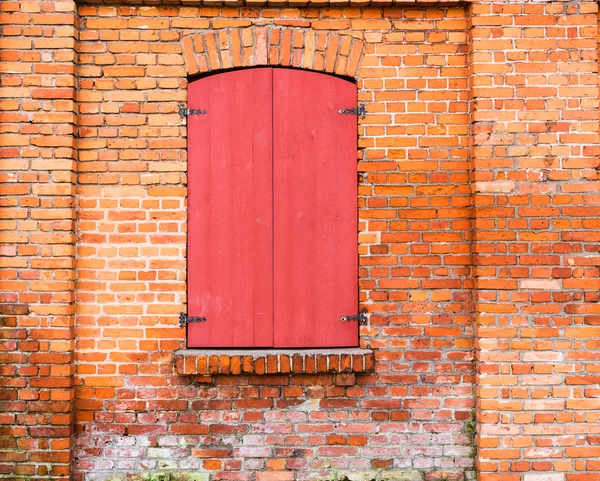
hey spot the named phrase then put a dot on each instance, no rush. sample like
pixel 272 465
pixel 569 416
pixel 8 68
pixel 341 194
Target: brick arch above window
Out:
pixel 321 51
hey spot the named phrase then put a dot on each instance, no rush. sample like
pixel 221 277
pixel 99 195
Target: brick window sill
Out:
pixel 208 362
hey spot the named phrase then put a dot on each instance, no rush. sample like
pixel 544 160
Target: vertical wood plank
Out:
pixel 230 259
pixel 315 210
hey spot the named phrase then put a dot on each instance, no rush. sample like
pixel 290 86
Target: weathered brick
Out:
pixel 477 197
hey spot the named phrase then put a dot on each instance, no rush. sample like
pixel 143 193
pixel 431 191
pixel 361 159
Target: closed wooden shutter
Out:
pixel 315 209
pixel 230 216
pixel 272 222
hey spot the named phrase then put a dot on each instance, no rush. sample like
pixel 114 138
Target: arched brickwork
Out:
pixel 287 47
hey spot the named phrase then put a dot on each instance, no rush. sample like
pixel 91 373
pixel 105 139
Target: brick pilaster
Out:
pixel 534 163
pixel 37 239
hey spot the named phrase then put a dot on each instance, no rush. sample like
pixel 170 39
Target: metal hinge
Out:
pixel 361 110
pixel 184 111
pixel 185 319
pixel 361 317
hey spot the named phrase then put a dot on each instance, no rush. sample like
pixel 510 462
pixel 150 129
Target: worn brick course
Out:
pixel 478 243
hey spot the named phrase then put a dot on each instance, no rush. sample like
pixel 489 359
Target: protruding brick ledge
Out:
pixel 321 51
pixel 208 362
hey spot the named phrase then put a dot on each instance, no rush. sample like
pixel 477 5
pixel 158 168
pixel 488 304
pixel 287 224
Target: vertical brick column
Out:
pixel 534 162
pixel 37 154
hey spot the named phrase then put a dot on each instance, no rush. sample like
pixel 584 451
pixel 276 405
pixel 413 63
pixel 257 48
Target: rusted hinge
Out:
pixel 361 317
pixel 185 319
pixel 361 110
pixel 184 111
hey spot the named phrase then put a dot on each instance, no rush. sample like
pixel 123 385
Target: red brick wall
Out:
pixel 535 251
pixel 37 212
pixel 478 207
pixel 414 198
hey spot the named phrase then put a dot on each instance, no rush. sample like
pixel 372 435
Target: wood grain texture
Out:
pixel 315 210
pixel 230 256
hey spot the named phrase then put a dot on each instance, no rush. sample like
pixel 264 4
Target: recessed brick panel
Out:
pixel 414 194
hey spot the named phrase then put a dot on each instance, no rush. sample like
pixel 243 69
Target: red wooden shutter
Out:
pixel 315 210
pixel 230 257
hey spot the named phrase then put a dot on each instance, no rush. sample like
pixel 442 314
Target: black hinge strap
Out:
pixel 185 319
pixel 361 110
pixel 184 111
pixel 361 317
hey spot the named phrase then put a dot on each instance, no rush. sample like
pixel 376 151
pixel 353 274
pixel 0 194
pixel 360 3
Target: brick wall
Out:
pixel 414 198
pixel 478 241
pixel 37 152
pixel 535 251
